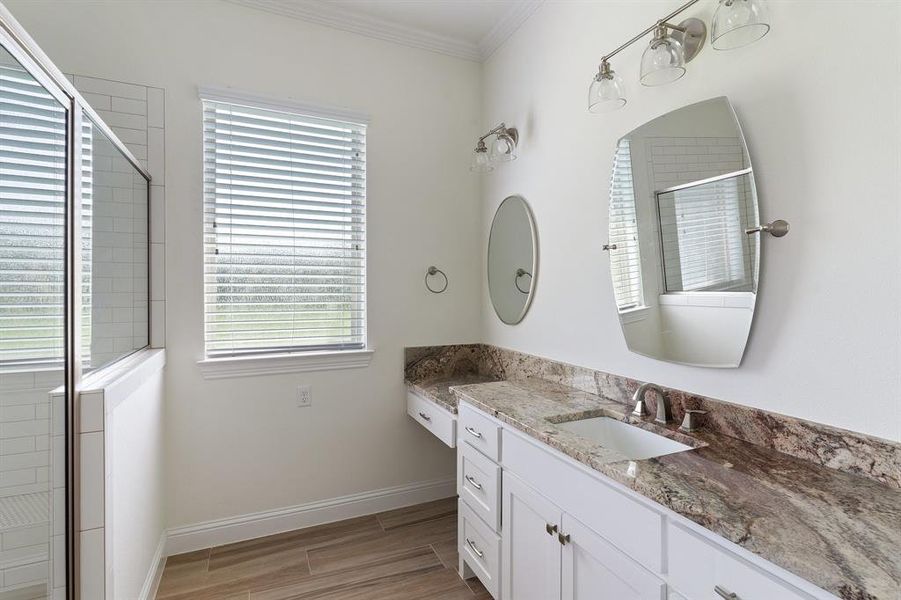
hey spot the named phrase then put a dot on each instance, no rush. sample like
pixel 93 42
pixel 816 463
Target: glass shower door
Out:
pixel 33 224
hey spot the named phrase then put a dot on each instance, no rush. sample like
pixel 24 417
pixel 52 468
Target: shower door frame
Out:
pixel 15 40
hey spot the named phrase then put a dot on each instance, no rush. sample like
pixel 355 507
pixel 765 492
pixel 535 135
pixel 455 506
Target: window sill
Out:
pixel 274 364
pixel 633 315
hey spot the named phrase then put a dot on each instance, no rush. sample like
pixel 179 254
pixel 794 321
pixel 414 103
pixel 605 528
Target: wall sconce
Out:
pixel 736 23
pixel 502 149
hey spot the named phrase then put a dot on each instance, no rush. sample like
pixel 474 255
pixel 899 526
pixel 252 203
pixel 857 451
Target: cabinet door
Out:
pixel 531 550
pixel 593 569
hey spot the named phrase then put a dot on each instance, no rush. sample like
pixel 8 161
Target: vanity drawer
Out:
pixel 480 547
pixel 479 484
pixel 697 567
pixel 442 423
pixel 480 431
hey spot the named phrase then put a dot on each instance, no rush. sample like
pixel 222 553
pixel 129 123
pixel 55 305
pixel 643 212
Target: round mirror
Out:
pixel 512 260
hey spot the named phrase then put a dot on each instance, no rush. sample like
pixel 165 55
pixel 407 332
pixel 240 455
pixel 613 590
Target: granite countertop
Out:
pixel 437 389
pixel 840 531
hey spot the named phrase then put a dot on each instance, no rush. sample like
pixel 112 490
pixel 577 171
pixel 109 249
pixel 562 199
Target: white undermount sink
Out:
pixel 632 442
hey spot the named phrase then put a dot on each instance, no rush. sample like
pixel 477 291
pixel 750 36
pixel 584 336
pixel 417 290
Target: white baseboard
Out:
pixel 152 582
pixel 254 525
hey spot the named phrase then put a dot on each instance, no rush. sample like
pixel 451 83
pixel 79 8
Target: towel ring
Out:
pixel 519 273
pixel 433 270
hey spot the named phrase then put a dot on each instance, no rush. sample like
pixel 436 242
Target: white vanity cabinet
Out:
pixel 550 555
pixel 530 557
pixel 545 527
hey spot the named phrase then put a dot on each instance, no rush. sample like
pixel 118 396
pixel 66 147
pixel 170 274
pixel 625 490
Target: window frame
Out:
pixel 270 360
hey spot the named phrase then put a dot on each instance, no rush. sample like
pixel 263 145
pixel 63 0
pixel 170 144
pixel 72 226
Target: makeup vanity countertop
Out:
pixel 438 389
pixel 840 531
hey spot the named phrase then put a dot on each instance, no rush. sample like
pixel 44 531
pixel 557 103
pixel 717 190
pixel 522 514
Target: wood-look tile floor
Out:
pixel 404 554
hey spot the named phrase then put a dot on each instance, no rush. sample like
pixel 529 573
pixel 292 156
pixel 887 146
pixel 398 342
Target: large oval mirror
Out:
pixel 684 269
pixel 512 260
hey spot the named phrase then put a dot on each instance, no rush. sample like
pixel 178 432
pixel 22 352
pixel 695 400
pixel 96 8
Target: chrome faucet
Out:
pixel 664 414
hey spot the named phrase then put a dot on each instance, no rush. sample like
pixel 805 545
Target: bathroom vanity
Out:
pixel 554 503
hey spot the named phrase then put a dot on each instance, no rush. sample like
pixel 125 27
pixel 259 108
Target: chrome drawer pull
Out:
pixel 425 416
pixel 473 432
pixel 723 593
pixel 472 482
pixel 551 529
pixel 472 545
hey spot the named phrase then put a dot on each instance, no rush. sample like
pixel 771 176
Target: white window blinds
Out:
pixel 625 260
pixel 284 230
pixel 704 244
pixel 32 220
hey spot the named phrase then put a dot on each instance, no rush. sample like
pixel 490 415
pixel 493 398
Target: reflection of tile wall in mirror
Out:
pixel 118 242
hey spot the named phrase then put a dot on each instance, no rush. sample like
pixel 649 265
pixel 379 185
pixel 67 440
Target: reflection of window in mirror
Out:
pixel 625 260
pixel 702 236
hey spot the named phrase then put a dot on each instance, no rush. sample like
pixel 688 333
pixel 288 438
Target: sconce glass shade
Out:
pixel 481 163
pixel 663 60
pixel 503 149
pixel 606 92
pixel 737 23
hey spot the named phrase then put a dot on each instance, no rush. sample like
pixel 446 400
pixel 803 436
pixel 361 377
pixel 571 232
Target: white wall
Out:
pixel 822 125
pixel 241 446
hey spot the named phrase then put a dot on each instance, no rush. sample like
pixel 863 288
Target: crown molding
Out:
pixel 334 15
pixel 507 26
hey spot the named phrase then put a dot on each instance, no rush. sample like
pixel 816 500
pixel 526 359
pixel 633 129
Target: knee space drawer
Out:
pixel 442 423
pixel 701 570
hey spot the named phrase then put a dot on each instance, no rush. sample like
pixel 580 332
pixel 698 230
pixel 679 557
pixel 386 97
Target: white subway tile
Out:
pixel 21 412
pixel 97 101
pixel 156 106
pixel 92 564
pixel 118 119
pixel 19 576
pixel 156 149
pixel 125 105
pixel 110 88
pixel 92 411
pixel 157 272
pixel 157 213
pixel 158 324
pixel 26 536
pixel 92 480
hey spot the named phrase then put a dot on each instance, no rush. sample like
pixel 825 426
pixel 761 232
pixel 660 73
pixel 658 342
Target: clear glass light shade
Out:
pixel 663 62
pixel 480 162
pixel 737 23
pixel 503 149
pixel 606 93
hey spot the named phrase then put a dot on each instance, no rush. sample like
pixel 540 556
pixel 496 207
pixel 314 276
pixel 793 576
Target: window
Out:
pixel 625 260
pixel 284 230
pixel 702 231
pixel 32 220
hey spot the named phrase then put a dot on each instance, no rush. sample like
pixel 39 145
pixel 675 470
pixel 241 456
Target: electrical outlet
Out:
pixel 304 396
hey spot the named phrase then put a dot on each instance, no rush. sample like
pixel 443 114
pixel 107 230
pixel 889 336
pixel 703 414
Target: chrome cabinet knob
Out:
pixel 472 545
pixel 473 482
pixel 473 432
pixel 563 538
pixel 551 529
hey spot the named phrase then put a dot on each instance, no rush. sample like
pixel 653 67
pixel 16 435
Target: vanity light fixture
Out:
pixel 735 23
pixel 663 60
pixel 606 92
pixel 503 149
